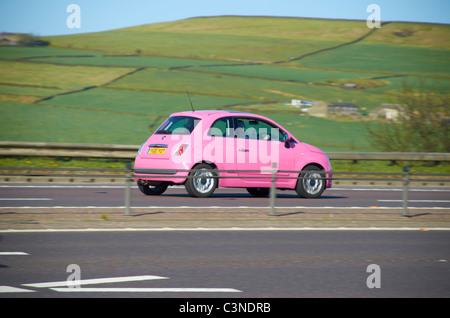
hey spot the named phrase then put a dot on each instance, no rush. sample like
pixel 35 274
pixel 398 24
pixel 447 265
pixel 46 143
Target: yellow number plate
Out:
pixel 157 151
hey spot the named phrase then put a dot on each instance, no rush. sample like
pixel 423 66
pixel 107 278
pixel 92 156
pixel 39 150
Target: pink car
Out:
pixel 228 149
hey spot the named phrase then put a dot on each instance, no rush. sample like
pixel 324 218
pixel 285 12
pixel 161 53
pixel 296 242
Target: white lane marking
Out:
pixel 444 189
pixel 224 207
pixel 122 186
pixel 218 229
pixel 441 201
pixel 148 290
pixel 13 253
pixel 97 281
pixel 70 186
pixel 9 289
pixel 25 199
pixel 74 186
pixel 62 286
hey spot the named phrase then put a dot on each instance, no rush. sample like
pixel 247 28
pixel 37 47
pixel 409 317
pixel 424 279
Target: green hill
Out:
pixel 116 86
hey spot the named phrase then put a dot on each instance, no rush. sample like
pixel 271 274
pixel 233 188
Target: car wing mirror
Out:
pixel 287 140
pixel 287 143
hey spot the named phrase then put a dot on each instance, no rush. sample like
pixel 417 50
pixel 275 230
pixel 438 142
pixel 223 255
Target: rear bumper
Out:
pixel 152 170
pixel 144 171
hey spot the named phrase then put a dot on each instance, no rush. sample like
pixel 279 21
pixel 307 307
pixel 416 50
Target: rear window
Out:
pixel 178 125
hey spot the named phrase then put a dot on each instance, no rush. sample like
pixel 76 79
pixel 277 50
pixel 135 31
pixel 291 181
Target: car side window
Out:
pixel 222 127
pixel 252 128
pixel 178 125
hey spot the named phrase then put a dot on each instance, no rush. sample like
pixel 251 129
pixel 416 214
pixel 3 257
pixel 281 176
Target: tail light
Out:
pixel 140 149
pixel 180 151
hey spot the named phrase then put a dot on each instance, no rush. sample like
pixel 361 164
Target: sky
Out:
pixel 49 17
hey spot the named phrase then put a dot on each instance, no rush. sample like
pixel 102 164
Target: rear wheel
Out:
pixel 202 182
pixel 152 189
pixel 259 192
pixel 311 184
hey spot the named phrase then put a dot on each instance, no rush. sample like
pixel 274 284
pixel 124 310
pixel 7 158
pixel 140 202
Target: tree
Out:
pixel 423 125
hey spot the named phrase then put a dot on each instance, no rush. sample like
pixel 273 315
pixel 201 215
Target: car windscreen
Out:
pixel 178 125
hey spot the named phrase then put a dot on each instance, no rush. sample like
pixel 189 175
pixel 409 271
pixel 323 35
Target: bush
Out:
pixel 423 126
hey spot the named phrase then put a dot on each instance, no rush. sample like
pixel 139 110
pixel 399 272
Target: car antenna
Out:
pixel 190 100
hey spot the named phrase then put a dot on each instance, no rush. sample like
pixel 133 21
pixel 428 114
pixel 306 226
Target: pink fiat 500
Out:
pixel 228 149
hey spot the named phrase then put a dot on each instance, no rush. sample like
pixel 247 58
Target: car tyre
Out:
pixel 311 184
pixel 152 189
pixel 259 192
pixel 205 182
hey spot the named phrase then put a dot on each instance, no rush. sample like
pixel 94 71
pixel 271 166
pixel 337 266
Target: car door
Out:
pixel 219 147
pixel 259 145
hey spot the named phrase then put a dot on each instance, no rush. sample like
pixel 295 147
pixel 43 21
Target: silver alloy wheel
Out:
pixel 312 182
pixel 203 180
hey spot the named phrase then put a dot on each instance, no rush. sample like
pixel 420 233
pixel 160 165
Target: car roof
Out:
pixel 215 113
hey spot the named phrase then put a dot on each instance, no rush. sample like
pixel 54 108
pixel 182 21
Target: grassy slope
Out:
pixel 125 108
pixel 221 37
pixel 413 34
pixel 57 76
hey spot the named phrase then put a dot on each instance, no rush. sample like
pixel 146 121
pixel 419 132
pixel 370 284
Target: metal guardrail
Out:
pixel 390 156
pixel 127 174
pixel 74 150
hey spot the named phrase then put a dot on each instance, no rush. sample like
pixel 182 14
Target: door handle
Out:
pixel 243 150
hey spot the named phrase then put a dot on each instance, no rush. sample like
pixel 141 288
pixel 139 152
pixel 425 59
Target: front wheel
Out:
pixel 312 182
pixel 202 182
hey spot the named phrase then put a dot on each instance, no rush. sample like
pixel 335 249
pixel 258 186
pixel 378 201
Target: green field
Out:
pixel 144 103
pixel 64 78
pixel 36 123
pixel 387 59
pixel 115 87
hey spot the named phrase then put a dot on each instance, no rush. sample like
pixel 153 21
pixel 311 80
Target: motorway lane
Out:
pixel 112 195
pixel 267 264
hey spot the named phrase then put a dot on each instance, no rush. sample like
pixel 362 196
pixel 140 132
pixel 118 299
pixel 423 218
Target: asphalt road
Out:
pixel 92 205
pixel 112 195
pixel 228 264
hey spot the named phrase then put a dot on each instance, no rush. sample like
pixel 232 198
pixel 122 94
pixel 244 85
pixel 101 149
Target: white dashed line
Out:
pixel 147 290
pixel 25 199
pixel 9 289
pixel 12 253
pixel 97 281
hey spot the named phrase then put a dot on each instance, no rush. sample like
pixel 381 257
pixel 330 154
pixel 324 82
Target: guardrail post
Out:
pixel 273 190
pixel 405 190
pixel 128 189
